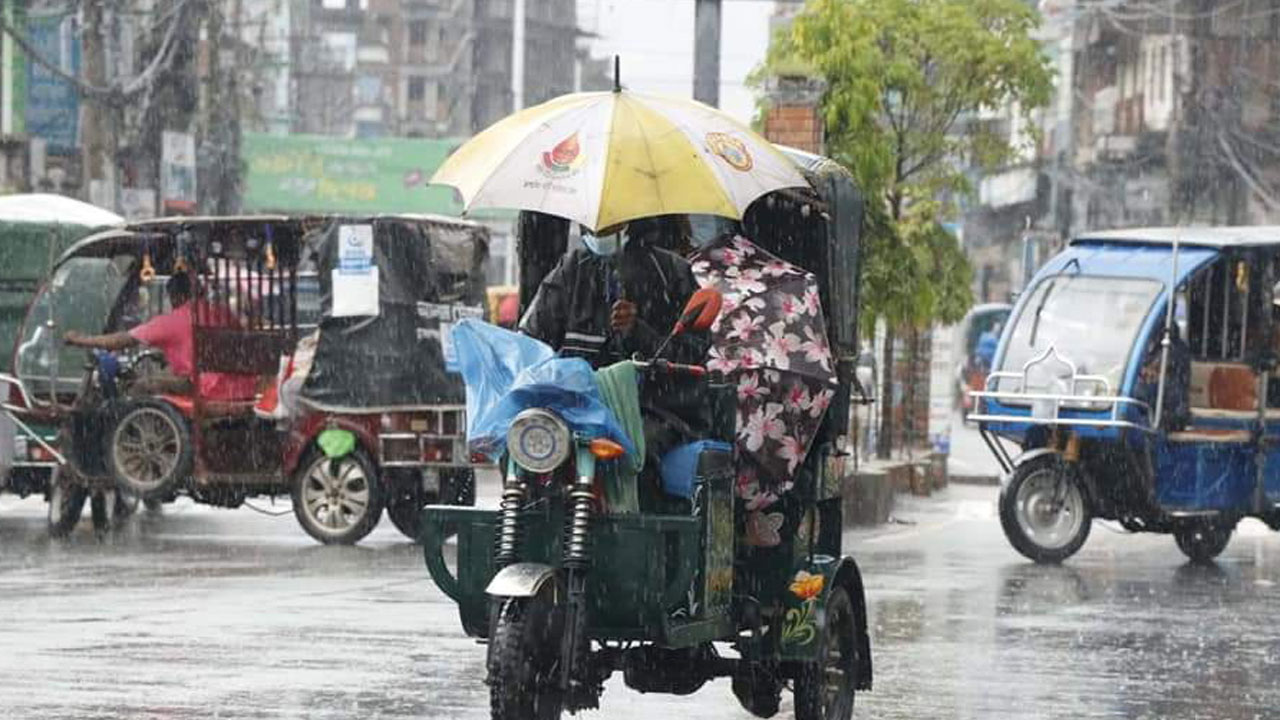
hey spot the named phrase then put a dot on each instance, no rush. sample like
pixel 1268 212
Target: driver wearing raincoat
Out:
pixel 618 297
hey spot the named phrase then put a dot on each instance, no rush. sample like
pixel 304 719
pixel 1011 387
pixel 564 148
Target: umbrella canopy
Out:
pixel 603 158
pixel 46 208
pixel 771 339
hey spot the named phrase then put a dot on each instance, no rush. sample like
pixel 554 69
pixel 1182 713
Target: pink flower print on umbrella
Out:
pixel 779 346
pixel 748 488
pixel 772 337
pixel 745 327
pixel 820 403
pixel 749 387
pixel 812 304
pixel 777 268
pixel 761 424
pixel 749 360
pixel 790 308
pixel 798 398
pixel 718 362
pixel 728 257
pixel 746 281
pixel 793 451
pixel 815 349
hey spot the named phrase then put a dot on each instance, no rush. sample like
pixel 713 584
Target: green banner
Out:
pixel 320 174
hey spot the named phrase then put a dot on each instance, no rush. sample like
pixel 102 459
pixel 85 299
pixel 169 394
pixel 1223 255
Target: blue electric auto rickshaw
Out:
pixel 1163 416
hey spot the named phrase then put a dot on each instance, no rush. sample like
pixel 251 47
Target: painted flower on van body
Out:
pixel 806 585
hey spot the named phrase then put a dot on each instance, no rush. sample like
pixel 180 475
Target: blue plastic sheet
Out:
pixel 506 373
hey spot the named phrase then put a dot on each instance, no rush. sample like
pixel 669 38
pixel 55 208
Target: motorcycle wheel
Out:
pixel 150 450
pixel 824 689
pixel 338 501
pixel 523 667
pixel 66 502
pixel 1045 520
pixel 1203 542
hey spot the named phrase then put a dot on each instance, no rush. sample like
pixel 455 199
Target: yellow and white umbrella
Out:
pixel 602 158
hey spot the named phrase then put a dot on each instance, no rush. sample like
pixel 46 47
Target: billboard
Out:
pixel 177 172
pixel 52 104
pixel 314 173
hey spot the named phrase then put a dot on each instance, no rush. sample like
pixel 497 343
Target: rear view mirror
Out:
pixel 700 312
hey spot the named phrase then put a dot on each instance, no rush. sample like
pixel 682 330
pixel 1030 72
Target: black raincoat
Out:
pixel 571 309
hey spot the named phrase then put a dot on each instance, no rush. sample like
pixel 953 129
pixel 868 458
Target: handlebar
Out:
pixel 674 368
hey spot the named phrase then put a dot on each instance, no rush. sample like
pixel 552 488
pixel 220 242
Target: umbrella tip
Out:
pixel 617 73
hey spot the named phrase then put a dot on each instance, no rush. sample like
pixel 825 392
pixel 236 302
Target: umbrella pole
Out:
pixel 617 73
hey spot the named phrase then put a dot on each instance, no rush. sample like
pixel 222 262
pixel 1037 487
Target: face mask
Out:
pixel 605 245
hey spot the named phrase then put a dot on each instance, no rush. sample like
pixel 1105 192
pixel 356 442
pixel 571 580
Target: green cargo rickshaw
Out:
pixel 34 231
pixel 567 589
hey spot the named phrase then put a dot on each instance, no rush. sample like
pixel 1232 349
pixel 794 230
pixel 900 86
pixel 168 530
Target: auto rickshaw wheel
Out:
pixel 524 642
pixel 1203 542
pixel 405 512
pixel 824 688
pixel 338 500
pixel 150 449
pixel 66 502
pixel 406 498
pixel 1044 511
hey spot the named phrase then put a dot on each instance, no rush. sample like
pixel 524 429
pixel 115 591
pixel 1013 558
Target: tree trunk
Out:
pixel 909 412
pixel 884 443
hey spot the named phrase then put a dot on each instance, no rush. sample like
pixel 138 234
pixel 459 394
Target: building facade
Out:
pixel 422 68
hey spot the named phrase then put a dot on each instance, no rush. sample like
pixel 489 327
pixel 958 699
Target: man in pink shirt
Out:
pixel 172 334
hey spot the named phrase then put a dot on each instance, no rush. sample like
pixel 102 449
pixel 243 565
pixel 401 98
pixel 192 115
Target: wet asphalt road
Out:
pixel 197 613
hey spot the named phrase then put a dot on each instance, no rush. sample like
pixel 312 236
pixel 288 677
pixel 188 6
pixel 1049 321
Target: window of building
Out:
pixel 1163 79
pixel 417 33
pixel 369 129
pixel 368 89
pixel 417 89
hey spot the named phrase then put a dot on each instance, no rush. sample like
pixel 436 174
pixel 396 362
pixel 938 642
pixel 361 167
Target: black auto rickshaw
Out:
pixel 263 288
pixel 565 595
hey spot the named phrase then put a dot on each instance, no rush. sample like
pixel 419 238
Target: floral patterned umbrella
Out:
pixel 771 340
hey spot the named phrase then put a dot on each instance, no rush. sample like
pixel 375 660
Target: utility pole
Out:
pixel 94 116
pixel 6 82
pixel 517 56
pixel 706 52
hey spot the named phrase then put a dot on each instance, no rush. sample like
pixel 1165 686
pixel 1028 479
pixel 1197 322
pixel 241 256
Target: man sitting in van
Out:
pixel 618 297
pixel 172 333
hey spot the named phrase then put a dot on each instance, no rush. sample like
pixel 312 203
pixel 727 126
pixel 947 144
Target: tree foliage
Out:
pixel 907 83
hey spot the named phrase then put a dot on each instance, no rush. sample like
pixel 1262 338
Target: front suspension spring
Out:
pixel 510 530
pixel 577 541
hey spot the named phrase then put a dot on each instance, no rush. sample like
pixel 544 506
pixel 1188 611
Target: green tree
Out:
pixel 906 81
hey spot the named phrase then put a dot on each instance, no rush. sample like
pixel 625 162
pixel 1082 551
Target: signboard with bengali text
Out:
pixel 312 173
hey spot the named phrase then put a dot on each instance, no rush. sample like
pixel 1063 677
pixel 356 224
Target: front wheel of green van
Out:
pixel 1044 510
